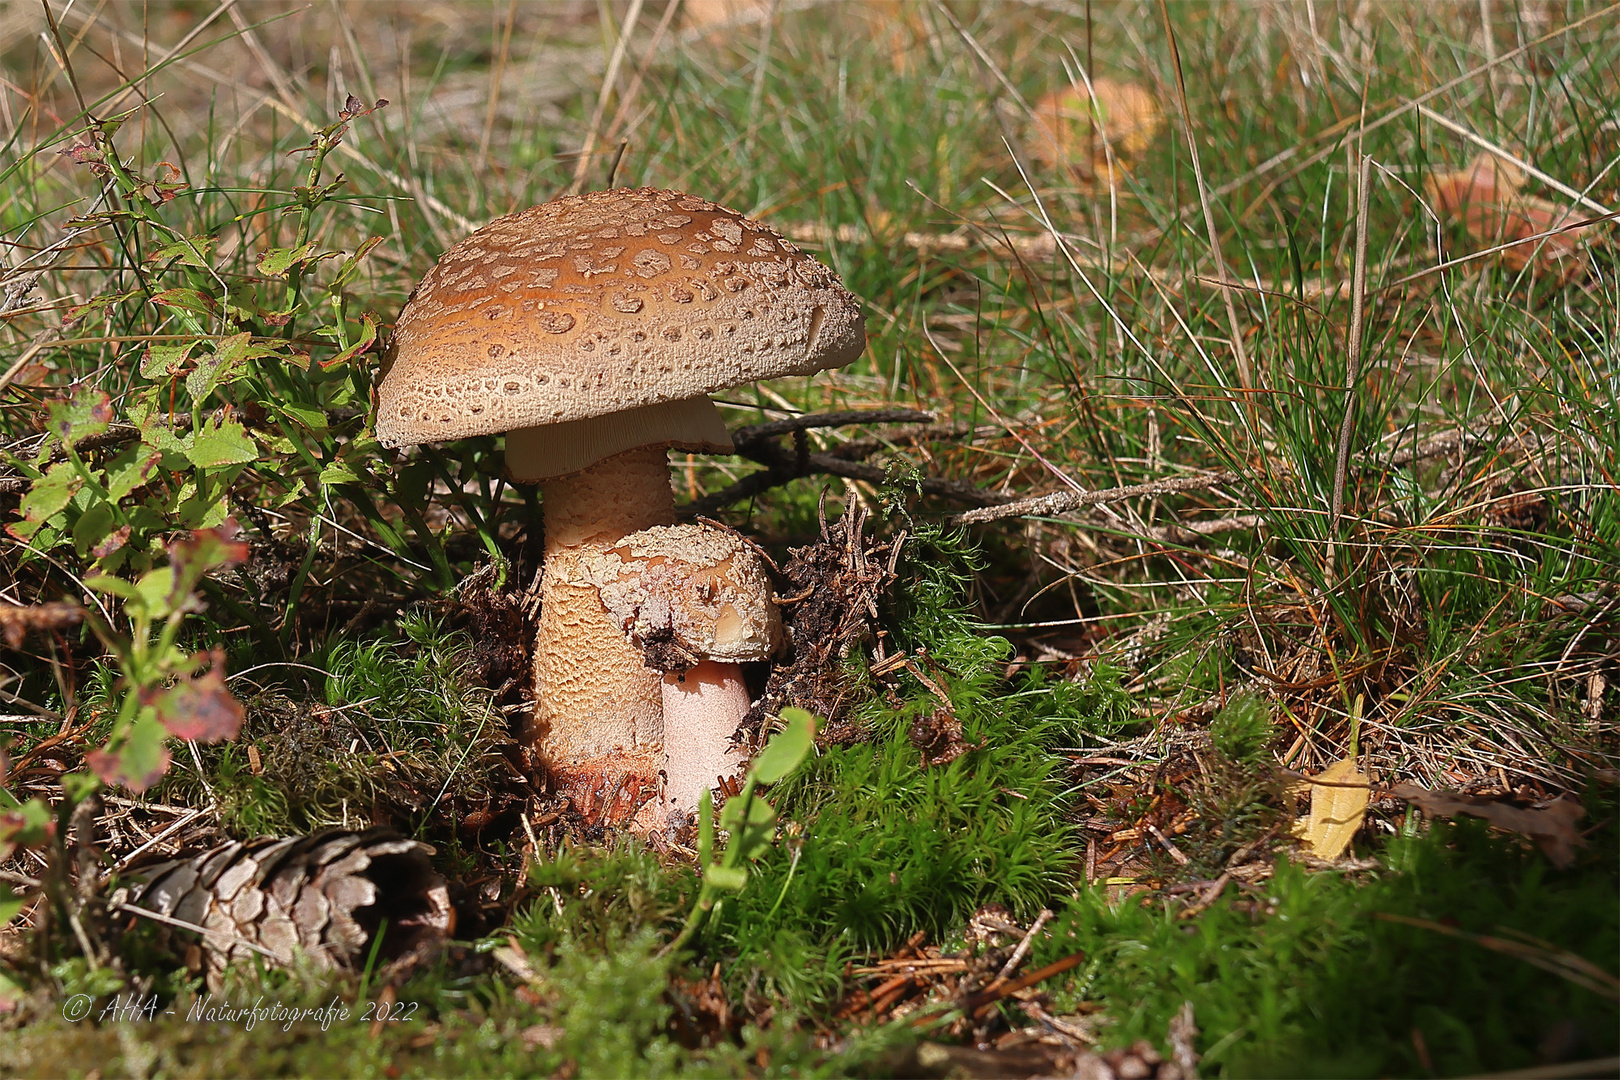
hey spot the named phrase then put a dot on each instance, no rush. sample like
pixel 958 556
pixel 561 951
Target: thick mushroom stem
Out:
pixel 702 708
pixel 599 709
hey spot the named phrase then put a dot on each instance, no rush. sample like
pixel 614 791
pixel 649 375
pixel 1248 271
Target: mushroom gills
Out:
pixel 543 453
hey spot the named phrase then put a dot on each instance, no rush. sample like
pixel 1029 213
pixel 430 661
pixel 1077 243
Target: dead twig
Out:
pixel 757 433
pixel 981 1004
pixel 1352 373
pixel 785 464
pixel 1062 501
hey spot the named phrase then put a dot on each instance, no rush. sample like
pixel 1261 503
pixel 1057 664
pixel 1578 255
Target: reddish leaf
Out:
pixel 28 825
pixel 368 338
pixel 111 768
pixel 353 107
pixel 82 150
pixel 213 549
pixel 1552 827
pixel 199 707
pixel 88 413
pixel 185 299
pixel 1486 199
pixel 115 540
pixel 164 190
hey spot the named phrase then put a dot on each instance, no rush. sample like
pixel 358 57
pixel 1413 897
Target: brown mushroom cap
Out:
pixel 687 593
pixel 598 303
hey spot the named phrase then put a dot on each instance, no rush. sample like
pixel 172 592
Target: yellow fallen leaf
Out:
pixel 1339 796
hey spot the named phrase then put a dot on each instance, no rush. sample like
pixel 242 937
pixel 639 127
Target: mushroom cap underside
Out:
pixel 592 304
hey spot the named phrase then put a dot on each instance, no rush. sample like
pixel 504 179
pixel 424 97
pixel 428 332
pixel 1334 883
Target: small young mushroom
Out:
pixel 589 330
pixel 697 601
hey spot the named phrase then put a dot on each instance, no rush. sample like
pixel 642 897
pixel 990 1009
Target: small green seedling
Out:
pixel 166 690
pixel 749 820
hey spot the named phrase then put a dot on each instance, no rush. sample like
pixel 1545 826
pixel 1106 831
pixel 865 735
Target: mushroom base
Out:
pixel 609 790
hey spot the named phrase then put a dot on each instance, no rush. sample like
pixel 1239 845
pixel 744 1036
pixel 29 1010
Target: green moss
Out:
pixel 1303 976
pixel 885 845
pixel 398 732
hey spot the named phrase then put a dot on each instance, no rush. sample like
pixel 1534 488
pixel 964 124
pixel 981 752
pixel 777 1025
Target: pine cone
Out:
pixel 1142 1061
pixel 325 895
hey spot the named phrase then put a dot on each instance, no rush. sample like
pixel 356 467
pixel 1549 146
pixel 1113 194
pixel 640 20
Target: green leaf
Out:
pixel 170 448
pixel 705 826
pixel 99 304
pixel 190 252
pixel 26 824
pixel 760 812
pixel 787 748
pixel 106 583
pixel 79 785
pixel 10 905
pixel 338 473
pixel 352 263
pixel 218 368
pixel 310 419
pixel 92 528
pixel 87 413
pixel 132 469
pixel 729 878
pixel 163 360
pixel 753 838
pixel 51 492
pixel 368 338
pixel 277 261
pixel 411 483
pixel 152 592
pixel 185 299
pixel 223 442
pixel 140 760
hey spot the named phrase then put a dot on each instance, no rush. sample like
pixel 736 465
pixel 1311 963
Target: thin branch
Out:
pixel 1352 370
pixel 784 468
pixel 785 464
pixel 1063 501
pixel 747 436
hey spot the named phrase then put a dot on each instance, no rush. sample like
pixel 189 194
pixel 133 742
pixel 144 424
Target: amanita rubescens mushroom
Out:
pixel 589 330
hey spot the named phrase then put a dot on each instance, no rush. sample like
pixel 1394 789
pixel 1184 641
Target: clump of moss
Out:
pixel 1316 974
pixel 399 734
pixel 894 834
